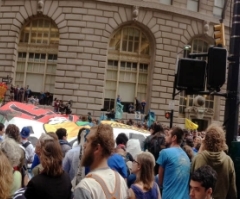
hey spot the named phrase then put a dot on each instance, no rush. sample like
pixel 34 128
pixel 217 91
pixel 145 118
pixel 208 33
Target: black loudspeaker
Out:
pixel 191 75
pixel 216 69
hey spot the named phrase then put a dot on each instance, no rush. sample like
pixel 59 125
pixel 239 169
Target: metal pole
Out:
pixel 173 97
pixel 233 83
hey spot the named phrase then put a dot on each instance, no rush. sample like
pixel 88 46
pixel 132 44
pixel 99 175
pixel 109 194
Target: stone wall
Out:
pixel 85 29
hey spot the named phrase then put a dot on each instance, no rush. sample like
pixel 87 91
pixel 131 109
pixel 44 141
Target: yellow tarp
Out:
pixel 71 127
pixel 190 125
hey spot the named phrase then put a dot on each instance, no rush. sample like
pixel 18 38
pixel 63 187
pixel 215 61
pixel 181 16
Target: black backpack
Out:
pixel 156 144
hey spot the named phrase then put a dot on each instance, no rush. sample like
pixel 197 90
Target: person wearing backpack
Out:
pixel 101 182
pixel 29 149
pixel 62 137
pixel 155 142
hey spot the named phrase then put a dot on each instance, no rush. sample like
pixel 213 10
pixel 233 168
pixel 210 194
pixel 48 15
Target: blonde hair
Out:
pixel 12 150
pixel 146 175
pixel 6 177
pixel 215 140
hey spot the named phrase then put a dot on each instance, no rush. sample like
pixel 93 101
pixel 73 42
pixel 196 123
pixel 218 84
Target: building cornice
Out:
pixel 166 8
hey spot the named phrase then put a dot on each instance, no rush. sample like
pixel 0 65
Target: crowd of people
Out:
pixel 172 164
pixel 60 107
pixel 25 94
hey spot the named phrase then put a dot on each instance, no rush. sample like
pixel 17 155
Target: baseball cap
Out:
pixel 25 132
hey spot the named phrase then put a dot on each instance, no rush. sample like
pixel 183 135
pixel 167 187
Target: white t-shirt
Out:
pixel 29 151
pixel 89 188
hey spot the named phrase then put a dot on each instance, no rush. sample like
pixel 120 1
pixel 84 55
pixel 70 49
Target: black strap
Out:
pixel 25 145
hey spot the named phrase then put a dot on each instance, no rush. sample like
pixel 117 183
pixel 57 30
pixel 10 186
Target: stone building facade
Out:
pixel 92 51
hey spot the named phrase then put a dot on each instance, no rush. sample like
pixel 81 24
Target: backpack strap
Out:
pixel 63 142
pixel 109 195
pixel 25 145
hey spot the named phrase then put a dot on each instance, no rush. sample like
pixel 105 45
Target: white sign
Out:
pixel 171 104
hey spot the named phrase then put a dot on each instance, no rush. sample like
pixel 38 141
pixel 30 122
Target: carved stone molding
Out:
pixel 199 112
pixel 205 27
pixel 40 6
pixel 135 13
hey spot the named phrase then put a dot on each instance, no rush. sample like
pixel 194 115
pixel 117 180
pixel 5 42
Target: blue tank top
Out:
pixel 151 194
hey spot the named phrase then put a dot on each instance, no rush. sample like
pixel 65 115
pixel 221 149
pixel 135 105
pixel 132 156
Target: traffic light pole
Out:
pixel 173 97
pixel 233 83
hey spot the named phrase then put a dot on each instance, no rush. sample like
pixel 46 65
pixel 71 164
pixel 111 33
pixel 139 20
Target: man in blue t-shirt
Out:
pixel 117 163
pixel 174 167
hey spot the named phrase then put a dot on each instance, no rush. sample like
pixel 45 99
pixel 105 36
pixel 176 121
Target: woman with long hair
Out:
pixel 12 151
pixel 144 187
pixel 6 176
pixel 36 165
pixel 52 182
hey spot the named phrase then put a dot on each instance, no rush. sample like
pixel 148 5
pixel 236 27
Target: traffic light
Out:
pixel 167 115
pixel 219 35
pixel 216 69
pixel 191 74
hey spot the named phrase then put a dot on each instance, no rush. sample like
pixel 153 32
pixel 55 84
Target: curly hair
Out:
pixel 12 131
pixel 188 150
pixel 147 162
pixel 215 140
pixel 12 150
pixel 50 155
pixel 6 177
pixel 104 137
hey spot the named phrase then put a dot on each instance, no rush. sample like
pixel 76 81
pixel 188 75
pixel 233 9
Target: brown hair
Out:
pixel 84 119
pixel 179 134
pixel 38 144
pixel 147 163
pixel 53 135
pixel 104 137
pixel 215 140
pixel 51 156
pixel 6 177
pixel 12 131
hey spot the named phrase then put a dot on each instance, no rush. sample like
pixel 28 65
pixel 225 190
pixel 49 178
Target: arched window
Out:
pixel 127 67
pixel 37 55
pixel 198 46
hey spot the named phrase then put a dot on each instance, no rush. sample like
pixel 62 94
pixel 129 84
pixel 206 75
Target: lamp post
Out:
pixel 233 82
pixel 186 49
